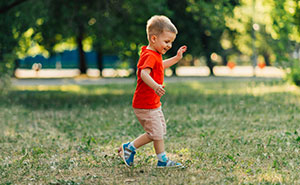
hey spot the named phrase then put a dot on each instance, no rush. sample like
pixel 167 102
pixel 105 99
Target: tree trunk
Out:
pixel 134 70
pixel 173 68
pixel 209 64
pixel 17 65
pixel 135 59
pixel 82 61
pixel 100 61
pixel 267 58
pixel 224 60
pixel 205 43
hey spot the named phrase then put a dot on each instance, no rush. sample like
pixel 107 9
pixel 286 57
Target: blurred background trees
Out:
pixel 217 31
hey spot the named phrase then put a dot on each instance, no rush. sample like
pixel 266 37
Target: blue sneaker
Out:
pixel 127 155
pixel 168 164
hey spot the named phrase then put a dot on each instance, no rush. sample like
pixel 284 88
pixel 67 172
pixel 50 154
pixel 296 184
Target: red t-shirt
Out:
pixel 144 96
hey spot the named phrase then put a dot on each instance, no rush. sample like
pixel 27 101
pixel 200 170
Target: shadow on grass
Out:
pixel 183 94
pixel 63 100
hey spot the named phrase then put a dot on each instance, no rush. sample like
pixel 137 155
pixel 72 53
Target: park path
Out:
pixel 104 81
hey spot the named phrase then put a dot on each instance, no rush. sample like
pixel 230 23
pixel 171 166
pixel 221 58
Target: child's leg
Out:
pixel 141 140
pixel 127 150
pixel 163 160
pixel 159 146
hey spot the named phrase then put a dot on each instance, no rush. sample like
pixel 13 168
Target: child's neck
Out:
pixel 151 48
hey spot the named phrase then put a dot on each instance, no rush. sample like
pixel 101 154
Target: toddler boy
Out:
pixel 146 100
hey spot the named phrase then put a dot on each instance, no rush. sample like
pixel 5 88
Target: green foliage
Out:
pixel 13 24
pixel 275 34
pixel 6 72
pixel 7 48
pixel 297 15
pixel 294 74
pixel 130 32
pixel 284 26
pixel 5 81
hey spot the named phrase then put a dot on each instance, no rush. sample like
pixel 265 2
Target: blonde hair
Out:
pixel 157 24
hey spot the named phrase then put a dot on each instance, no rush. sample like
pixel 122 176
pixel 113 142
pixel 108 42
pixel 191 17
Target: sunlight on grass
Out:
pixel 72 88
pixel 9 132
pixel 238 88
pixel 267 176
pixel 270 176
pixel 183 151
pixel 263 89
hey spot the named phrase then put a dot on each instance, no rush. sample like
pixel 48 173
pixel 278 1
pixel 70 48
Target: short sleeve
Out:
pixel 148 61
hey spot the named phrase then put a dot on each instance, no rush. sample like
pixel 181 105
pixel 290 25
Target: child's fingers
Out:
pixel 160 91
pixel 183 48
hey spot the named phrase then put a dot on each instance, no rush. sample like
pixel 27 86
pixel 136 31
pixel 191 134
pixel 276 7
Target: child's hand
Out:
pixel 160 91
pixel 181 50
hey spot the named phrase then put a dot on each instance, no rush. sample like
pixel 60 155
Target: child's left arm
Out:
pixel 171 61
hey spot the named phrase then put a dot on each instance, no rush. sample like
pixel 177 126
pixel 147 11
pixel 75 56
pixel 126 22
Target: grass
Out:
pixel 224 131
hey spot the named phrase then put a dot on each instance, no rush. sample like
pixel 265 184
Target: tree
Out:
pixel 65 20
pixel 201 24
pixel 130 26
pixel 106 28
pixel 12 26
pixel 285 28
pixel 273 26
pixel 13 23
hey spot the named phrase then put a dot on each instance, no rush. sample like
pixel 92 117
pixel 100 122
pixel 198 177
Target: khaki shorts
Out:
pixel 153 122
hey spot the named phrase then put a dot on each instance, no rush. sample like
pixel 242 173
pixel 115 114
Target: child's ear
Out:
pixel 153 38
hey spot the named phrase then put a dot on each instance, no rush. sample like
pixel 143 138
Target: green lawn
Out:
pixel 224 131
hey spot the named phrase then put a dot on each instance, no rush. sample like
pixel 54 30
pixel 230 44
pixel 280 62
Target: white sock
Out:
pixel 131 146
pixel 162 157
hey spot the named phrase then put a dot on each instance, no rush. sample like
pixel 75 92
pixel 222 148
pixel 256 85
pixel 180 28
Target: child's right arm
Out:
pixel 171 61
pixel 145 75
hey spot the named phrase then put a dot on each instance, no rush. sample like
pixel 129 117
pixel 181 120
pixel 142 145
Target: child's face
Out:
pixel 163 42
